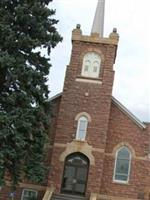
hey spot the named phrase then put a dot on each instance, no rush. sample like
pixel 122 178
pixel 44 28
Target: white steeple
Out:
pixel 98 23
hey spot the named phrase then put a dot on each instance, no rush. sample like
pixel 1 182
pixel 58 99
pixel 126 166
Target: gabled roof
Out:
pixel 120 106
pixel 56 96
pixel 128 113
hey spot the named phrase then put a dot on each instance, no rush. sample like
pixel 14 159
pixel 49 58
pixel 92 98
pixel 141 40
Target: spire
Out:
pixel 98 23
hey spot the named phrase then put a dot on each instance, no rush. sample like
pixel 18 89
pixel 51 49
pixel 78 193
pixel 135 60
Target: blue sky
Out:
pixel 132 67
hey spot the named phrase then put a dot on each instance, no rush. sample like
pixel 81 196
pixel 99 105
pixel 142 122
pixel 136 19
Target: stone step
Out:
pixel 66 197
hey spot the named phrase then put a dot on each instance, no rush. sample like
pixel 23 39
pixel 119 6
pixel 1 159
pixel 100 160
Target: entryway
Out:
pixel 75 174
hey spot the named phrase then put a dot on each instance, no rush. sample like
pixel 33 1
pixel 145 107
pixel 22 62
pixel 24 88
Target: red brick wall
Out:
pixel 123 129
pixel 55 104
pixel 73 101
pixel 53 123
pixel 96 104
pixel 57 167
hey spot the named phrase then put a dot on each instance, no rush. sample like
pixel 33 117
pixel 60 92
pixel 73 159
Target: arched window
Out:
pixel 91 65
pixel 122 165
pixel 81 128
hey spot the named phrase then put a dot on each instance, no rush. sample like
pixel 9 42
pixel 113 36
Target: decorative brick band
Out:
pixel 77 145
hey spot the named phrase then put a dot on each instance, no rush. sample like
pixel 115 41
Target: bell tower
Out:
pixel 85 107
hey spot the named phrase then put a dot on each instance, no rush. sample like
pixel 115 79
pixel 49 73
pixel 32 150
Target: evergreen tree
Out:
pixel 25 27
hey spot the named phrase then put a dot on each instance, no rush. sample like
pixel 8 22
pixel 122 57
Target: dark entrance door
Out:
pixel 75 174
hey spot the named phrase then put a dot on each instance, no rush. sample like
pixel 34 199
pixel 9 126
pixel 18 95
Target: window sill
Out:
pixel 89 79
pixel 78 140
pixel 120 182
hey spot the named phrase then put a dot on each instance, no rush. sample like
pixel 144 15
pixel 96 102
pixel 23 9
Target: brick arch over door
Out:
pixel 78 146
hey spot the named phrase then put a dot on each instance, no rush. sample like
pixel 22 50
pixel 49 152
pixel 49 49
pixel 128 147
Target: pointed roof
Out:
pixel 119 105
pixel 98 23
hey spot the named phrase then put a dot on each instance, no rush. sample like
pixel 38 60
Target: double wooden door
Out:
pixel 75 174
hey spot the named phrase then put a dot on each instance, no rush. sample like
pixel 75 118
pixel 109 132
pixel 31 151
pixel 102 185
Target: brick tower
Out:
pixel 81 130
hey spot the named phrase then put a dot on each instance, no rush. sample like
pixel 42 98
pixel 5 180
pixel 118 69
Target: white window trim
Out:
pixel 121 181
pixel 85 114
pixel 90 73
pixel 77 131
pixel 28 189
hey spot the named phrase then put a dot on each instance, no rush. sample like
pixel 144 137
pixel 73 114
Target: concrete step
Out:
pixel 66 197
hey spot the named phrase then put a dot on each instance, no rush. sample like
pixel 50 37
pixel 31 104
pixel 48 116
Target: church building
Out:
pixel 98 149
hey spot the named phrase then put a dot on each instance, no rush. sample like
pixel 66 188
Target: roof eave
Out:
pixel 55 96
pixel 119 105
pixel 128 113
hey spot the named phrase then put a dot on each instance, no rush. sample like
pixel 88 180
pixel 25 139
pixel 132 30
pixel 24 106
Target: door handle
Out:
pixel 74 181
